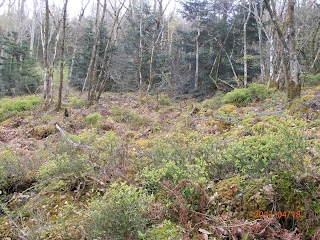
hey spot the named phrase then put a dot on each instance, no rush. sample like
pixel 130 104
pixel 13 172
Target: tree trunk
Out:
pixel 140 50
pixel 64 25
pixel 150 67
pixel 294 87
pixel 93 53
pixel 45 56
pixel 245 56
pixel 196 76
pixel 75 45
pixel 105 64
pixel 271 58
pixel 93 79
pixel 33 29
pixel 258 17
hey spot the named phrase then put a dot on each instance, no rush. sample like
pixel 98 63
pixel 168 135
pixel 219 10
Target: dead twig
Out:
pixel 14 223
pixel 69 141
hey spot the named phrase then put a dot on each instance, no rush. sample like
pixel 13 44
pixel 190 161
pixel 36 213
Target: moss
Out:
pixel 212 122
pixel 6 122
pixel 307 97
pixel 43 131
pixel 208 138
pixel 298 193
pixel 208 113
pixel 261 127
pixel 294 90
pixel 142 143
pixel 130 134
pixel 248 121
pixel 227 108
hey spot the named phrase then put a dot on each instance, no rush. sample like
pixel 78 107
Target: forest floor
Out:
pixel 150 167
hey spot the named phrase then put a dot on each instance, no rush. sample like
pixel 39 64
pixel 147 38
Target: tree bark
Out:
pixel 93 78
pixel 93 53
pixel 33 29
pixel 64 26
pixel 75 45
pixel 258 17
pixel 140 50
pixel 196 76
pixel 45 56
pixel 294 88
pixel 245 55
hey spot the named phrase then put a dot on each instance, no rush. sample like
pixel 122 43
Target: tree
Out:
pixel 64 26
pixel 195 11
pixel 18 72
pixel 245 56
pixel 293 84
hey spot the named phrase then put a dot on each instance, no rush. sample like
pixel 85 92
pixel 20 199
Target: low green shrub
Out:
pixel 13 172
pixel 86 138
pixel 213 102
pixel 64 165
pixel 312 80
pixel 180 157
pixel 122 213
pixel 254 93
pixel 107 150
pixel 126 116
pixel 93 119
pixel 272 152
pixel 76 102
pixel 9 107
pixel 164 100
pixel 164 231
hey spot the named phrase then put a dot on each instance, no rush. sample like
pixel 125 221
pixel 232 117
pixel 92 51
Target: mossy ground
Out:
pixel 201 191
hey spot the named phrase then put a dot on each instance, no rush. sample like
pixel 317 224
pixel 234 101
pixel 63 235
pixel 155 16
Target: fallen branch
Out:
pixel 69 141
pixel 226 83
pixel 14 223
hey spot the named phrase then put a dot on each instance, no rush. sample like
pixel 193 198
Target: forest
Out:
pixel 159 119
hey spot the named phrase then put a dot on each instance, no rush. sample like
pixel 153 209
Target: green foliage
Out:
pixel 282 150
pixel 126 116
pixel 9 107
pixel 76 102
pixel 182 157
pixel 312 80
pixel 64 165
pixel 83 55
pixel 213 102
pixel 108 150
pixel 93 119
pixel 19 73
pixel 121 214
pixel 85 138
pixel 164 100
pixel 166 230
pixel 13 171
pixel 255 93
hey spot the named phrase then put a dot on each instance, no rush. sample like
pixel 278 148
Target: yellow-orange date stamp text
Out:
pixel 277 214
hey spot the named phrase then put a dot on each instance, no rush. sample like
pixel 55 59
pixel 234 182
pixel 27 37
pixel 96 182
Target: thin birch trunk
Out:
pixel 93 79
pixel 93 53
pixel 45 55
pixel 258 17
pixel 294 88
pixel 33 29
pixel 196 76
pixel 140 50
pixel 64 26
pixel 245 57
pixel 75 45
